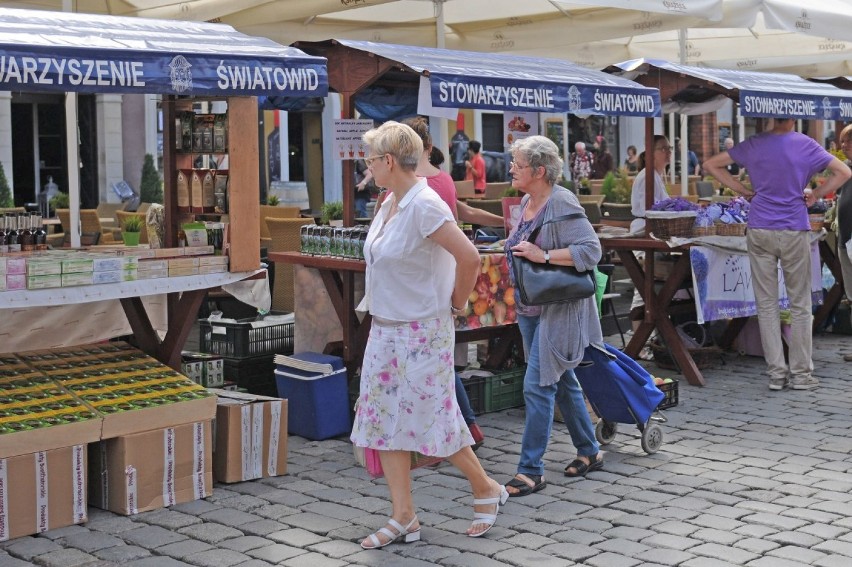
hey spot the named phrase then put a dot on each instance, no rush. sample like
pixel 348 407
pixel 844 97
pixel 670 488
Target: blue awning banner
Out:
pixel 50 51
pixel 492 81
pixel 759 93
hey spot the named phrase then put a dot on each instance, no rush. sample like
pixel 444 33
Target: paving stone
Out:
pixel 158 561
pixel 664 557
pixel 230 517
pixel 296 537
pixel 65 558
pixel 525 557
pixel 313 560
pixel 275 553
pixel 210 532
pixel 723 553
pixel 152 537
pixel 797 553
pixel 122 553
pixel 29 547
pixel 218 558
pixel 9 561
pixel 91 542
pixel 184 550
pixel 716 536
pixel 612 560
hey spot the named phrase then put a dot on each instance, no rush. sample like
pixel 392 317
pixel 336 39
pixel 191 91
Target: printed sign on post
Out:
pixel 347 138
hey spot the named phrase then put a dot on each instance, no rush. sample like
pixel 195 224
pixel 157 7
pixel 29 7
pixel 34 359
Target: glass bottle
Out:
pixel 12 233
pixel 3 246
pixel 27 238
pixel 40 233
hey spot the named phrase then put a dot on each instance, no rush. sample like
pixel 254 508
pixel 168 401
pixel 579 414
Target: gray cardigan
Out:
pixel 566 329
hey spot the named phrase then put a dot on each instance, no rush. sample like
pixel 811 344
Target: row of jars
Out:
pixel 333 241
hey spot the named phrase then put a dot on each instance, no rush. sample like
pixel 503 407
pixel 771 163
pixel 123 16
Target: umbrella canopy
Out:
pixel 758 93
pixel 459 79
pixel 58 51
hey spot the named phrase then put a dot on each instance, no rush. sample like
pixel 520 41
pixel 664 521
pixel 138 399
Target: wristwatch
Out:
pixel 547 256
pixel 458 310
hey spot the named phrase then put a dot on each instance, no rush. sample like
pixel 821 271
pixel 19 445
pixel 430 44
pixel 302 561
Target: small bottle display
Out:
pixel 26 237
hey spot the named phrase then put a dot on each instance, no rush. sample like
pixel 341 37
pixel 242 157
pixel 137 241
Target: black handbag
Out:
pixel 540 284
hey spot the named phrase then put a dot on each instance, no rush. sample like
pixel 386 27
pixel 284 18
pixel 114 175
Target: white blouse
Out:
pixel 409 277
pixel 637 198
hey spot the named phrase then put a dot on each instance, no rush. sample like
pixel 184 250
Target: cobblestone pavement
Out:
pixel 745 477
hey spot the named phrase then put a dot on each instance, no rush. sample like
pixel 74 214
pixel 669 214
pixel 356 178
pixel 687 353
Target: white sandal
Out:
pixel 404 532
pixel 489 519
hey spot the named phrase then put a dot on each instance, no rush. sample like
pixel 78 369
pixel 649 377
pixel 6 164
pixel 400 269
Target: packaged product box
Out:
pixel 16 281
pixel 213 269
pixel 180 263
pixel 44 282
pixel 2 282
pixel 77 264
pixel 111 263
pixel 183 188
pixel 146 471
pixel 42 491
pixel 16 265
pixel 43 266
pixel 178 272
pixel 77 278
pixel 251 436
pixel 153 265
pixel 209 371
pixel 198 250
pixel 167 252
pixel 3 266
pixel 152 274
pixel 213 261
pixel 114 276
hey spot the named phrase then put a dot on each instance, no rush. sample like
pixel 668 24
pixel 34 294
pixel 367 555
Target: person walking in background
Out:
pixel 844 220
pixel 603 161
pixel 582 163
pixel 363 188
pixel 556 335
pixel 631 164
pixel 475 167
pixel 780 163
pixel 421 268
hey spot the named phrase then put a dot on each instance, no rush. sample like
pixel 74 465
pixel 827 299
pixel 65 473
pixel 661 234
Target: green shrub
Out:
pixel 132 224
pixel 60 201
pixel 6 199
pixel 150 186
pixel 272 200
pixel 332 210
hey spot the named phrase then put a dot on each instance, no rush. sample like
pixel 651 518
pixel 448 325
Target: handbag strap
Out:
pixel 534 234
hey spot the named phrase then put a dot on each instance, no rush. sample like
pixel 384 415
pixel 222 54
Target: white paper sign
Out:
pixel 347 138
pixel 519 125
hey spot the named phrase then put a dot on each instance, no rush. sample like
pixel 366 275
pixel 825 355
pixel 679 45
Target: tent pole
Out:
pixel 72 142
pixel 684 153
pixel 440 135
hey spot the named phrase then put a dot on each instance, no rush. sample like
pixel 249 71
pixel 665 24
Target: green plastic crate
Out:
pixel 505 389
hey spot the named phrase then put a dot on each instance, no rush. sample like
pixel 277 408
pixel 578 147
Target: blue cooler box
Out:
pixel 315 385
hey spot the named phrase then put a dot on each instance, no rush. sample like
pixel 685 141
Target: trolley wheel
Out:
pixel 605 431
pixel 652 438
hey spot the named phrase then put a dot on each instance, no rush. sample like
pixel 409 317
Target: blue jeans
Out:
pixel 361 206
pixel 540 402
pixel 464 402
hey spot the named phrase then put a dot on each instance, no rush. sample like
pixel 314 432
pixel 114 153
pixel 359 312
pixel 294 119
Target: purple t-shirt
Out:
pixel 780 167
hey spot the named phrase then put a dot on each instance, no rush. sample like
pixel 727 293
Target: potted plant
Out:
pixel 59 201
pixel 617 191
pixel 150 184
pixel 130 231
pixel 272 200
pixel 332 213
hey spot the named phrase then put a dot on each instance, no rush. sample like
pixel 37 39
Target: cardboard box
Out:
pixel 158 417
pixel 42 491
pixel 152 274
pixel 251 437
pixel 146 471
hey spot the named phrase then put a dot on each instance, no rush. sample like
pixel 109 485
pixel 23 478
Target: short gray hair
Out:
pixel 540 152
pixel 398 140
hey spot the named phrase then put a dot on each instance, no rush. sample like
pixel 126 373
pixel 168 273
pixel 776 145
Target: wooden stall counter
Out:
pixel 325 284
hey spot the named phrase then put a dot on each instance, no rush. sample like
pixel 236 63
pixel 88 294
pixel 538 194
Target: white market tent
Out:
pixel 68 52
pixel 760 34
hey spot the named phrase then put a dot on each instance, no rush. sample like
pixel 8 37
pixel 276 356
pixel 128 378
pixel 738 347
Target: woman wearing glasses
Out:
pixel 556 335
pixel 421 268
pixel 662 158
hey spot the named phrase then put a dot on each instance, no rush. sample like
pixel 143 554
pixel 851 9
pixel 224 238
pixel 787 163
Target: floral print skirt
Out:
pixel 407 400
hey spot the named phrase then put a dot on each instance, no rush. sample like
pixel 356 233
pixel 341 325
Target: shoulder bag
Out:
pixel 540 284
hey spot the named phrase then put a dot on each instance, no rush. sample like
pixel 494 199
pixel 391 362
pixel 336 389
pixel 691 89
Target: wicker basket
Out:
pixel 817 221
pixel 704 231
pixel 668 227
pixel 731 229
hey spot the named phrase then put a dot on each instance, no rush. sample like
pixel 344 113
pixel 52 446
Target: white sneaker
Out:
pixel 777 383
pixel 805 383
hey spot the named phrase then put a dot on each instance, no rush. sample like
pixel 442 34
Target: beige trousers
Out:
pixel 792 248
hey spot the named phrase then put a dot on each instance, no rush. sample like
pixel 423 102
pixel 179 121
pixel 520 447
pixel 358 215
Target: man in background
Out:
pixel 780 163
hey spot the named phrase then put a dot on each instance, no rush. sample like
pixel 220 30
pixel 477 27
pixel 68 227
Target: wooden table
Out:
pixel 185 295
pixel 658 304
pixel 338 277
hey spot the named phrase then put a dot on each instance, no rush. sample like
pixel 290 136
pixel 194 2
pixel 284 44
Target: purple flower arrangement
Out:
pixel 734 211
pixel 675 204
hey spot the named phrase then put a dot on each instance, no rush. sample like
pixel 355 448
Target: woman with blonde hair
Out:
pixel 421 268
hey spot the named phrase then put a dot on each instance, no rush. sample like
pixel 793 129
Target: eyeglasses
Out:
pixel 665 149
pixel 369 160
pixel 516 165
